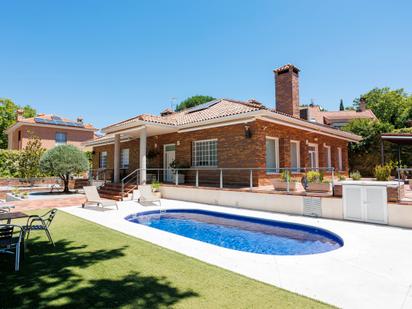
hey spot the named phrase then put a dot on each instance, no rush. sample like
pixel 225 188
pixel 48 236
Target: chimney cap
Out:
pixel 167 111
pixel 254 102
pixel 286 67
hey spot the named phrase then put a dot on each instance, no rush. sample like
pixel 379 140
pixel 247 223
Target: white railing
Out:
pixel 219 179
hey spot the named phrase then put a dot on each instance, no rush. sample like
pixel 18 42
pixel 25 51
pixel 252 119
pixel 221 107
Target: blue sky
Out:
pixel 110 60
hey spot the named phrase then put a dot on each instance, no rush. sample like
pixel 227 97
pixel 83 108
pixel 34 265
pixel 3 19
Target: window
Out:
pixel 204 153
pixel 295 156
pixel 124 158
pixel 328 158
pixel 103 159
pixel 272 155
pixel 61 138
pixel 313 156
pixel 339 159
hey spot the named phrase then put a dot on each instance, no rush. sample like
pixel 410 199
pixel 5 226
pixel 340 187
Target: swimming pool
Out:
pixel 241 233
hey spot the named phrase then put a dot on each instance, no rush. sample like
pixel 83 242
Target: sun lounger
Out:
pixel 93 197
pixel 146 195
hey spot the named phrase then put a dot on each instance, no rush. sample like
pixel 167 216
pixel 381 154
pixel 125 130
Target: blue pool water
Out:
pixel 241 233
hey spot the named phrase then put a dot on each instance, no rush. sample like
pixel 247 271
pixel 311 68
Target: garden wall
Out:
pixel 331 207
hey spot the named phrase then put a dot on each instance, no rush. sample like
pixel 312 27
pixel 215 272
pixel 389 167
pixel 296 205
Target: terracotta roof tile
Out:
pixel 222 108
pixel 49 117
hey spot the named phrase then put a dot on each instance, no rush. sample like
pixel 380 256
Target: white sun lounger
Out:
pixel 93 197
pixel 144 194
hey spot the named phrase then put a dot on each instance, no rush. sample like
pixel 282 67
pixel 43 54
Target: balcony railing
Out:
pixel 228 177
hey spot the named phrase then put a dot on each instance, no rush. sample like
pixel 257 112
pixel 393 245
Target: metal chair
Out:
pixel 42 223
pixel 10 244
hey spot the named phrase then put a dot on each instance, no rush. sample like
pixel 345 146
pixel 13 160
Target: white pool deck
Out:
pixel 372 270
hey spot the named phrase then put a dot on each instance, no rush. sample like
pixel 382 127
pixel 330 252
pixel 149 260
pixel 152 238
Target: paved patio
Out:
pixel 372 270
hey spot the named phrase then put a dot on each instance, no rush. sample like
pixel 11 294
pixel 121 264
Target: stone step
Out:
pixel 110 196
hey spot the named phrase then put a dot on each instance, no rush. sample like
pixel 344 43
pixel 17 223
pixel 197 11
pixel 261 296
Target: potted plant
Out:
pixel 284 182
pixel 382 172
pixel 176 165
pixel 24 195
pixel 355 175
pixel 316 183
pixel 156 188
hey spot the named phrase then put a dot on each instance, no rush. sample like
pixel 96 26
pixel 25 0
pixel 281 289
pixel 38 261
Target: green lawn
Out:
pixel 95 267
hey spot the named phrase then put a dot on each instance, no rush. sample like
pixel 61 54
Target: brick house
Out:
pixel 336 119
pixel 225 133
pixel 51 129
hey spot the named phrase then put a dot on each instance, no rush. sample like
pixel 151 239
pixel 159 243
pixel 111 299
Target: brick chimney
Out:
pixel 362 105
pixel 19 113
pixel 287 90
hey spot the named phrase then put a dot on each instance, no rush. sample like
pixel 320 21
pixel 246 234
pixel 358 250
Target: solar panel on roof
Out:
pixel 56 118
pixel 58 122
pixel 202 106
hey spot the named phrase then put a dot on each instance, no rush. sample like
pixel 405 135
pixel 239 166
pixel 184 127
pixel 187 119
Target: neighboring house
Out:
pixel 225 133
pixel 336 119
pixel 51 129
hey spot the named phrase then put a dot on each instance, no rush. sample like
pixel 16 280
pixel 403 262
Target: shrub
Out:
pixel 355 175
pixel 341 177
pixel 63 161
pixel 383 172
pixel 155 186
pixel 285 176
pixel 9 163
pixel 314 176
pixel 29 163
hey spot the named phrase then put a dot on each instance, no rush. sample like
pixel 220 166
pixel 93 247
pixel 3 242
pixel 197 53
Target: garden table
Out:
pixel 12 215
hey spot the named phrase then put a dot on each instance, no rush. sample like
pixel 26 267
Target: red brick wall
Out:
pixel 48 136
pixel 287 92
pixel 234 149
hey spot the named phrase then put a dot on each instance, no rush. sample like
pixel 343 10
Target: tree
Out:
pixel 9 163
pixel 341 106
pixel 29 161
pixel 193 101
pixel 8 117
pixel 63 161
pixel 365 155
pixel 390 106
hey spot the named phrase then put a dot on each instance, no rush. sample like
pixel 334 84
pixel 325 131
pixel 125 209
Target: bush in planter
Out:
pixel 316 183
pixel 355 175
pixel 383 172
pixel 285 176
pixel 314 176
pixel 341 177
pixel 155 186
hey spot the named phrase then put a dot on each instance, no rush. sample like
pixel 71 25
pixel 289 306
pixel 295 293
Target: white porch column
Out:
pixel 116 163
pixel 142 154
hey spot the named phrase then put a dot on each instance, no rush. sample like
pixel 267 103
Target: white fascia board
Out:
pixel 134 124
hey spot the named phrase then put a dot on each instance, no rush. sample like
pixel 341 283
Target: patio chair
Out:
pixel 93 197
pixel 40 223
pixel 146 195
pixel 10 244
pixel 5 208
